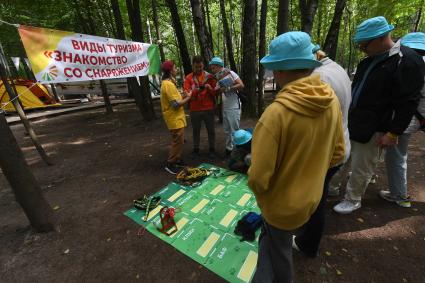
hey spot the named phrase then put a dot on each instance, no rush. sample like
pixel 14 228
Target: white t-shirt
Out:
pixel 230 98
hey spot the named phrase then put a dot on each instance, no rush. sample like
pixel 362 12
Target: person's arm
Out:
pixel 339 150
pixel 177 103
pixel 263 158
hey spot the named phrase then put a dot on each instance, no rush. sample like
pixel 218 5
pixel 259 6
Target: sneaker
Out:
pixel 334 191
pixel 347 206
pixel 386 195
pixel 171 168
pixel 297 248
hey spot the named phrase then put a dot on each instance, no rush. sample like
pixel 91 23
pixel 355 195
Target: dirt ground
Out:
pixel 103 162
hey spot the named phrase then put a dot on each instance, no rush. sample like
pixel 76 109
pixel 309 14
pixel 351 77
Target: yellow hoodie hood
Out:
pixel 306 96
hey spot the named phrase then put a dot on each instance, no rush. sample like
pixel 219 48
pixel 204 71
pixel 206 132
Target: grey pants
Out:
pixel 274 256
pixel 196 118
pixel 231 121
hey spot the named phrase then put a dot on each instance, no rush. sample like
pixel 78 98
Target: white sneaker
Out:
pixel 347 206
pixel 373 179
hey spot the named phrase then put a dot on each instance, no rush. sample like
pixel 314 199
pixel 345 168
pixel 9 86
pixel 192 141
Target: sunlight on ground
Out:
pixel 390 230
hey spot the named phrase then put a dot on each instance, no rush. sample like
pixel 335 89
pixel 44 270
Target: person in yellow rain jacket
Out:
pixel 173 113
pixel 297 139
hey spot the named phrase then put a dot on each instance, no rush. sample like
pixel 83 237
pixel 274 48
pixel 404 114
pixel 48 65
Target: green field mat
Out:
pixel 208 216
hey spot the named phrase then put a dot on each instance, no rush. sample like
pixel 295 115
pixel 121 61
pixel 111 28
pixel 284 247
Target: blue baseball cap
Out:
pixel 315 47
pixel 414 40
pixel 241 137
pixel 290 51
pixel 372 28
pixel 216 61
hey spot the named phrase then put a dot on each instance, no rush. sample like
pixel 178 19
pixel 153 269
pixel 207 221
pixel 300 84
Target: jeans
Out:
pixel 196 118
pixel 308 240
pixel 274 262
pixel 396 163
pixel 231 120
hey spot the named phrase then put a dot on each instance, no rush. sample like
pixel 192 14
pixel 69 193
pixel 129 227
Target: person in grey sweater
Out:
pixel 308 240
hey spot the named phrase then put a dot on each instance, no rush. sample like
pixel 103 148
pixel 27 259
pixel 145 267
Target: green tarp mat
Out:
pixel 209 214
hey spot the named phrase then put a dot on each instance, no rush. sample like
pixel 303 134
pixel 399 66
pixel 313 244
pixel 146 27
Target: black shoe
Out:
pixel 227 152
pixel 211 154
pixel 195 154
pixel 171 168
pixel 180 163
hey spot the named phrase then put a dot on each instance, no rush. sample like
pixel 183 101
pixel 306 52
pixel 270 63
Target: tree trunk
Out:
pixel 184 54
pixel 282 17
pixel 308 11
pixel 105 95
pixel 144 93
pixel 4 75
pixel 249 53
pixel 158 34
pixel 417 18
pixel 210 37
pixel 24 185
pixel 331 42
pixel 261 54
pixel 228 36
pixel 201 33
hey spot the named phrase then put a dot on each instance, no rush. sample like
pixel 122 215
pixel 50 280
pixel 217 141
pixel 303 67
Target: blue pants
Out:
pixel 396 163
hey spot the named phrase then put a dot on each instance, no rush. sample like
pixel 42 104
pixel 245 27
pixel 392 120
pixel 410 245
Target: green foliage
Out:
pixel 75 15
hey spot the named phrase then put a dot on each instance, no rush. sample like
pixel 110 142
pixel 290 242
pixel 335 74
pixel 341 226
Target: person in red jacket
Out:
pixel 201 104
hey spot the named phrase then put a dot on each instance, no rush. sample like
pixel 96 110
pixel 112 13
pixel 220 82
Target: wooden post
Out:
pixel 24 185
pixel 4 71
pixel 105 95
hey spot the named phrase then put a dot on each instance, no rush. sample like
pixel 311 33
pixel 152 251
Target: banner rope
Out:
pixel 4 22
pixel 3 106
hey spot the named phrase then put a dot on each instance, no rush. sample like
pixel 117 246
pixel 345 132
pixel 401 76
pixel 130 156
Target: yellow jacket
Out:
pixel 174 118
pixel 297 139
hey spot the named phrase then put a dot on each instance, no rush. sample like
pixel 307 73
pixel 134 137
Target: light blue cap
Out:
pixel 290 51
pixel 315 48
pixel 216 61
pixel 372 28
pixel 415 40
pixel 241 137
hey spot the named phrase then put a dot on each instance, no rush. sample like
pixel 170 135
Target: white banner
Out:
pixel 60 56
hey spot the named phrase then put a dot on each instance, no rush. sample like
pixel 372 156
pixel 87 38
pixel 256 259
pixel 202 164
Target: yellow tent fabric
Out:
pixel 26 96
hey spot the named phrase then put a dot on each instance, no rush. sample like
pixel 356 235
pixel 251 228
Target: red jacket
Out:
pixel 202 98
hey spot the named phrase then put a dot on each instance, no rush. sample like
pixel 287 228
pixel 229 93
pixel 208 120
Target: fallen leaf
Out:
pixel 150 155
pixel 56 207
pixel 395 248
pixel 66 251
pixel 108 240
pixel 414 209
pixel 137 276
pixel 105 201
pixel 344 250
pixel 128 232
pixel 360 220
pixel 404 280
pixel 328 253
pixel 323 271
pixel 328 265
pixel 338 272
pixel 103 179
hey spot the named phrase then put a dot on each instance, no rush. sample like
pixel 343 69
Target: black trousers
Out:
pixel 208 118
pixel 308 240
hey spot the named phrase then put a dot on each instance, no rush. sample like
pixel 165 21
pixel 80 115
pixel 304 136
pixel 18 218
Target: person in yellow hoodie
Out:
pixel 297 139
pixel 173 113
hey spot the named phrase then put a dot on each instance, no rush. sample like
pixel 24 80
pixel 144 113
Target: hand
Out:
pixel 387 140
pixel 187 94
pixel 208 86
pixel 222 89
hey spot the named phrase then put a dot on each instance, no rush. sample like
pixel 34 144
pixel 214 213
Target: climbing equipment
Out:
pixel 167 220
pixel 147 204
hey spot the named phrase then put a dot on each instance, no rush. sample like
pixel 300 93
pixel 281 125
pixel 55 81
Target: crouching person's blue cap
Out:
pixel 414 40
pixel 372 28
pixel 216 61
pixel 290 51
